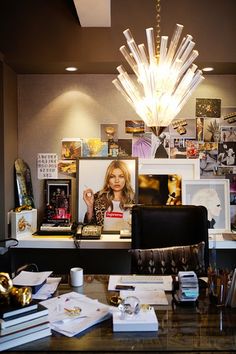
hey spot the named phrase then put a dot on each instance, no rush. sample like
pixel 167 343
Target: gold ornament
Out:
pixel 21 296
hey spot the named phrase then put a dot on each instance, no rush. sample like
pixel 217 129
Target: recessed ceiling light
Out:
pixel 207 69
pixel 71 68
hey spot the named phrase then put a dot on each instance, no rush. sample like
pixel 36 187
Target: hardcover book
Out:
pixel 25 339
pixel 23 325
pixel 10 310
pixel 13 320
pixel 23 332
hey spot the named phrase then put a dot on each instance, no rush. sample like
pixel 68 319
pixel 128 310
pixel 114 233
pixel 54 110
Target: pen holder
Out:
pixel 217 285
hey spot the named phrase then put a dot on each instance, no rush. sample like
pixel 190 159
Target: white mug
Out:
pixel 76 276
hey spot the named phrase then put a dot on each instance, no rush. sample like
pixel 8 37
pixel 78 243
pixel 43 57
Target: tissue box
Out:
pixel 23 223
pixel 145 321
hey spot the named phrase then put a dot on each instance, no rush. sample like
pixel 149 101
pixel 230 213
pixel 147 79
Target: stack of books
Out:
pixel 20 325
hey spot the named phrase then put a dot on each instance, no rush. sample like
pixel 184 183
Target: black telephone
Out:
pixel 88 232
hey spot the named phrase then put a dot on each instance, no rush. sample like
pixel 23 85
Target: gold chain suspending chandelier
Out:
pixel 166 77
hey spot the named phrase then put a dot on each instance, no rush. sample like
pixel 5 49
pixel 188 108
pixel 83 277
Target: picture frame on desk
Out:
pixel 58 199
pixel 92 173
pixel 214 195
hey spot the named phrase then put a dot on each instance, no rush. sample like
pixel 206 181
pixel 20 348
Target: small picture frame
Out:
pixel 58 197
pixel 214 195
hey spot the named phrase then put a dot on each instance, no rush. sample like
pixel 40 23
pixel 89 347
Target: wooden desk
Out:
pixel 181 329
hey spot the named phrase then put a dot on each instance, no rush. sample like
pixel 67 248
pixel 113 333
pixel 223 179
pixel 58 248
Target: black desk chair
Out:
pixel 167 239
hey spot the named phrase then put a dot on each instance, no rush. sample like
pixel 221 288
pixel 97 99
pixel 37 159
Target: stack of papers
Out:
pixel 42 286
pixel 48 289
pixel 148 293
pixel 33 279
pixel 72 313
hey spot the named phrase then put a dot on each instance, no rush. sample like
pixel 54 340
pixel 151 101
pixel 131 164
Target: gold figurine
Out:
pixel 21 296
pixel 10 294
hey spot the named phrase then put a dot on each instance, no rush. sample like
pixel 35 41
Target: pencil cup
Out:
pixel 76 276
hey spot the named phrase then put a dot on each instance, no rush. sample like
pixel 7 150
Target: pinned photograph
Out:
pixel 208 153
pixel 178 149
pixel 109 132
pixel 142 145
pixel 226 154
pixel 134 126
pixel 71 148
pixel 211 130
pixel 185 128
pixel 228 116
pixel 67 167
pixel 94 147
pixel 228 133
pixel 208 107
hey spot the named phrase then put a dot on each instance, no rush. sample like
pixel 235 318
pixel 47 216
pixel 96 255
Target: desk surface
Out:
pixel 205 328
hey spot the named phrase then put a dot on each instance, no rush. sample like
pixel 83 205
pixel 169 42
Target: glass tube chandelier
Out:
pixel 166 76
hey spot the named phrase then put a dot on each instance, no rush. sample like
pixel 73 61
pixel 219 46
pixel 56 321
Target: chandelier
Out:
pixel 166 76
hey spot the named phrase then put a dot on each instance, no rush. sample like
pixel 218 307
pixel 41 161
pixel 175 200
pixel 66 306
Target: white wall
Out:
pixel 52 107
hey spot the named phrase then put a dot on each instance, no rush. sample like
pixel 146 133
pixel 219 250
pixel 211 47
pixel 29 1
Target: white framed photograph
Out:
pixel 214 195
pixel 186 168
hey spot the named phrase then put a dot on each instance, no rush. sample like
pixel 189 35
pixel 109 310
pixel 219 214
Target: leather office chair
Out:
pixel 155 226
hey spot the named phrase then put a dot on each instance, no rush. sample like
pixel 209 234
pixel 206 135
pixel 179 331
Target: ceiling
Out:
pixel 45 36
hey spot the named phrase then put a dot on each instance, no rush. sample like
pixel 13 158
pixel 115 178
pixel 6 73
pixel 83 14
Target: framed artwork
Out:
pixel 186 168
pixel 106 190
pixel 214 195
pixel 58 193
pixel 159 189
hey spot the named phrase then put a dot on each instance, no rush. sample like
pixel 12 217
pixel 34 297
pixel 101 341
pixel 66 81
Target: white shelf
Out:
pixel 107 241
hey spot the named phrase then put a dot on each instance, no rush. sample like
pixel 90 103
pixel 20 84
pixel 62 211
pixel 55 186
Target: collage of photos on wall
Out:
pixel 210 136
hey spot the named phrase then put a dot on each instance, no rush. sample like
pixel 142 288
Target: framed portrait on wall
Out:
pixel 106 190
pixel 214 195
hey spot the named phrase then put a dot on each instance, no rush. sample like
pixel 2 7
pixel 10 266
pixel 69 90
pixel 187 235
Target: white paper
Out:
pixel 91 312
pixel 157 297
pixel 166 285
pixel 47 289
pixel 30 278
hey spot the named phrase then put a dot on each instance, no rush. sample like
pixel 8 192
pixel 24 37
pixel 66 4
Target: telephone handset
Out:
pixel 89 232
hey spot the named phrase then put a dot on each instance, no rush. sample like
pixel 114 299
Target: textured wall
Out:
pixel 52 107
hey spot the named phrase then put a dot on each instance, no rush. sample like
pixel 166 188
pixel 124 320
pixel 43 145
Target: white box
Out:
pixel 23 223
pixel 144 321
